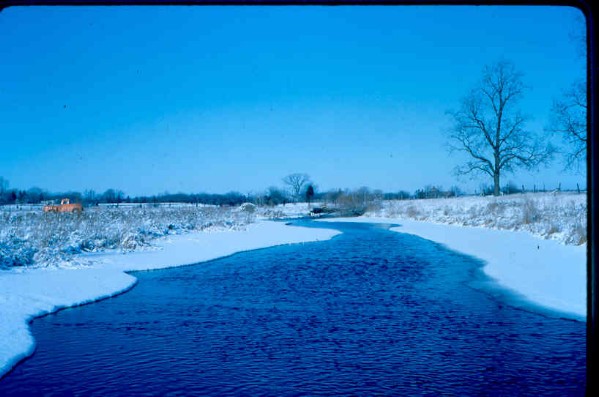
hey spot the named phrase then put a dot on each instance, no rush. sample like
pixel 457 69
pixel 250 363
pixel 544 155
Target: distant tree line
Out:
pixel 353 201
pixel 36 195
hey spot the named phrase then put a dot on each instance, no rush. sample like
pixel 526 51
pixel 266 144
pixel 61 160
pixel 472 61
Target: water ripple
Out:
pixel 370 312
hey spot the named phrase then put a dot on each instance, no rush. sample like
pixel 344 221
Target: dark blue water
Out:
pixel 371 312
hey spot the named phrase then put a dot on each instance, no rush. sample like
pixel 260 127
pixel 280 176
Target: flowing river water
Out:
pixel 370 312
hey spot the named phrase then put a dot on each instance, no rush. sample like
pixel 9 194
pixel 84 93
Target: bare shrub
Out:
pixel 578 235
pixel 45 239
pixel 561 217
pixel 553 228
pixel 530 212
pixel 493 206
pixel 392 211
pixel 412 212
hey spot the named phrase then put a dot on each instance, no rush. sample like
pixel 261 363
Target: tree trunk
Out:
pixel 496 184
pixel 496 172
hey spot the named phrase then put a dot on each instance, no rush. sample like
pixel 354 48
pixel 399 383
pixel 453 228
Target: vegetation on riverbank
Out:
pixel 34 238
pixel 29 237
pixel 558 216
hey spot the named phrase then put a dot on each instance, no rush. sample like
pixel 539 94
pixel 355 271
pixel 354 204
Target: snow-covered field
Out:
pixel 28 292
pixel 30 237
pixel 556 216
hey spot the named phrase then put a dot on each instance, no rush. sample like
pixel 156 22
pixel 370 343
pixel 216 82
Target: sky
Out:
pixel 215 99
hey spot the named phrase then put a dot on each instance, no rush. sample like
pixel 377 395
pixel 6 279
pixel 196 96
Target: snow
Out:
pixel 37 239
pixel 559 216
pixel 26 293
pixel 289 210
pixel 544 271
pixel 532 244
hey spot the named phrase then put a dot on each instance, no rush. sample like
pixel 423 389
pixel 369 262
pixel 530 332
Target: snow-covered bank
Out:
pixel 546 272
pixel 289 210
pixel 38 239
pixel 28 293
pixel 556 216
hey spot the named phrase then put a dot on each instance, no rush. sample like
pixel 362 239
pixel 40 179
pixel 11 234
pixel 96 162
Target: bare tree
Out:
pixel 569 120
pixel 275 196
pixel 309 194
pixel 113 196
pixel 578 34
pixel 296 182
pixel 90 196
pixel 490 128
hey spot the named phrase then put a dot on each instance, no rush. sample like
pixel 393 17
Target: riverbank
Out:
pixel 559 216
pixel 545 272
pixel 29 293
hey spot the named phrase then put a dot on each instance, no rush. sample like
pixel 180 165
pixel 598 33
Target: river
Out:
pixel 370 312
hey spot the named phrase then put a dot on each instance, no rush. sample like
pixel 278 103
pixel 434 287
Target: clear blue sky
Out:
pixel 214 99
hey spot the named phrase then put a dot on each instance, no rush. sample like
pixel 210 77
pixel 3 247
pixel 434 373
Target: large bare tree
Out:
pixel 569 119
pixel 296 182
pixel 489 127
